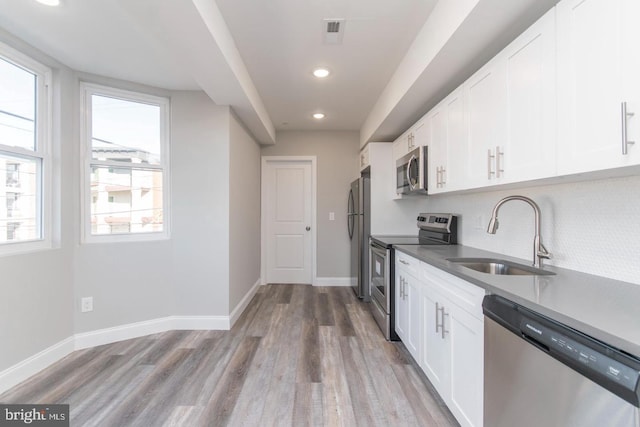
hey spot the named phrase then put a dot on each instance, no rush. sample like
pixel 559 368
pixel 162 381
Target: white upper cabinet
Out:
pixel 512 110
pixel 530 72
pixel 485 94
pixel 598 72
pixel 448 145
pixel 415 137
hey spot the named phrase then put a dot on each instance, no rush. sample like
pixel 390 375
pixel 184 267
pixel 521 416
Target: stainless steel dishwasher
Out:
pixel 539 372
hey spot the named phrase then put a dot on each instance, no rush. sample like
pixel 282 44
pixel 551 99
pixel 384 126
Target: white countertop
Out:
pixel 605 309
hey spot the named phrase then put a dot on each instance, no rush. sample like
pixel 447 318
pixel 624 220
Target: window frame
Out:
pixel 42 152
pixel 87 90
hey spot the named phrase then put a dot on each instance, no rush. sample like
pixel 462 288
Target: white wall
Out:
pixel 244 209
pixel 590 226
pixel 337 152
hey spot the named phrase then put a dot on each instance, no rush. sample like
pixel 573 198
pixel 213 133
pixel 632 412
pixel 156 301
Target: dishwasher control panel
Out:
pixel 592 359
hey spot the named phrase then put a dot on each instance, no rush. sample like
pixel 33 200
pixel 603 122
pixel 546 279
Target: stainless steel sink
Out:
pixel 499 266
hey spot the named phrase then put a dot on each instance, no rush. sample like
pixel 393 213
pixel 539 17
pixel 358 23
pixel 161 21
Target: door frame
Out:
pixel 263 216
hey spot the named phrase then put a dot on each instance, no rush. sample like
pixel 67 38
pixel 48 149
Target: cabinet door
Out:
pixel 486 101
pixel 591 60
pixel 401 310
pixel 530 72
pixel 413 330
pixel 435 354
pixel 448 148
pixel 466 340
pixel 421 133
pixel 456 168
pixel 437 151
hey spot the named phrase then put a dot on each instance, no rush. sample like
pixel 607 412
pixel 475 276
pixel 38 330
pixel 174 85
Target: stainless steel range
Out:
pixel 434 229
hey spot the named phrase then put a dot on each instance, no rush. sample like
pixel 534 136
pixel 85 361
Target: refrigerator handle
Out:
pixel 350 214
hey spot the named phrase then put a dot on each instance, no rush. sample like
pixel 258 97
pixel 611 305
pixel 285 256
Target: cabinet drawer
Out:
pixel 408 263
pixel 462 293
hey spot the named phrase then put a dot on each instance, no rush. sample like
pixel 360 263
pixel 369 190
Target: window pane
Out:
pixel 17 106
pixel 125 131
pixel 125 200
pixel 19 199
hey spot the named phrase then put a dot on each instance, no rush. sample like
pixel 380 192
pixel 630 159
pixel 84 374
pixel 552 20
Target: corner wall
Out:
pixel 244 213
pixel 200 201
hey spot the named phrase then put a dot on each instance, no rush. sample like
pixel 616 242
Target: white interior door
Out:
pixel 287 205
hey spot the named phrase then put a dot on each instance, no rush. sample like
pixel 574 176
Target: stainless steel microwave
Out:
pixel 411 172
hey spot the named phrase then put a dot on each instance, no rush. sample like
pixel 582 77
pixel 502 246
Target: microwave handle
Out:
pixel 411 186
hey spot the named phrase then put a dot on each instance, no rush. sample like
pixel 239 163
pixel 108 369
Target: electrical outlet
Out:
pixel 332 216
pixel 86 304
pixel 480 222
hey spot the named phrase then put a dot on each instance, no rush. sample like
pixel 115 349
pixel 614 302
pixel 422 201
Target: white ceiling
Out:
pixel 281 41
pixel 257 55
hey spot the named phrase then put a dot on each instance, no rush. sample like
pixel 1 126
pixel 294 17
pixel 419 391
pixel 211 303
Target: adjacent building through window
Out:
pixel 126 135
pixel 25 169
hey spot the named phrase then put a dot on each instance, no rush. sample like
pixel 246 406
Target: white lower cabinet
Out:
pixel 408 323
pixel 439 319
pixel 452 354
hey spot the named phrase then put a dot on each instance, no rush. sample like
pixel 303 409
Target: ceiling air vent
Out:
pixel 332 31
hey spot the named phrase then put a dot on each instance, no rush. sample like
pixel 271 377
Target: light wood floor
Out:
pixel 298 356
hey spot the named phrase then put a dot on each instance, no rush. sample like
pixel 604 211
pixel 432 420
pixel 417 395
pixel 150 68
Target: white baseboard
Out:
pixel 148 327
pixel 21 371
pixel 332 281
pixel 199 323
pixel 235 314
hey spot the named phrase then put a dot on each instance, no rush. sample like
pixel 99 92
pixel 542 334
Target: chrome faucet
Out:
pixel 539 251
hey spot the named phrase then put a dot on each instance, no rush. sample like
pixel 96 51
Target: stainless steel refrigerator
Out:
pixel 358 207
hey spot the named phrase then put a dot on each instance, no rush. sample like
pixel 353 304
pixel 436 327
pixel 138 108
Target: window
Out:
pixel 25 207
pixel 126 140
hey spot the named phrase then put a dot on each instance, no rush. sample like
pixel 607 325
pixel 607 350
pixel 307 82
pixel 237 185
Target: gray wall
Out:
pixel 36 289
pixel 590 226
pixel 200 200
pixel 187 274
pixel 244 208
pixel 337 156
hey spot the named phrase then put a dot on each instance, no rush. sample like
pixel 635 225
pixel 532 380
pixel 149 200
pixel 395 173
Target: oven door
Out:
pixel 379 276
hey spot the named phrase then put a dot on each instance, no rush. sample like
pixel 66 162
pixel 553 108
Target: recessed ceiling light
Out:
pixel 321 73
pixel 318 116
pixel 49 2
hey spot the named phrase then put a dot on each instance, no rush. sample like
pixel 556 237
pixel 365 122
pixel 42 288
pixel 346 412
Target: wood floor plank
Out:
pixel 338 409
pixel 298 356
pixel 307 405
pixel 339 302
pixel 220 406
pixel 309 360
pixel 127 413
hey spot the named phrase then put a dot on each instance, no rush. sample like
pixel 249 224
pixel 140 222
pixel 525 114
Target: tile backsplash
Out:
pixel 589 226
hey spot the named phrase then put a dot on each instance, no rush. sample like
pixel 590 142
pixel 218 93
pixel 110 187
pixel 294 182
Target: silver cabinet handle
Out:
pixel 490 171
pixel 444 331
pixel 443 174
pixel 499 168
pixel 437 176
pixel 404 286
pixel 625 141
pixel 308 228
pixel 403 262
pixel 438 324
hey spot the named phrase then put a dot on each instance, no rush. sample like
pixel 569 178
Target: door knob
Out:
pixel 308 228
